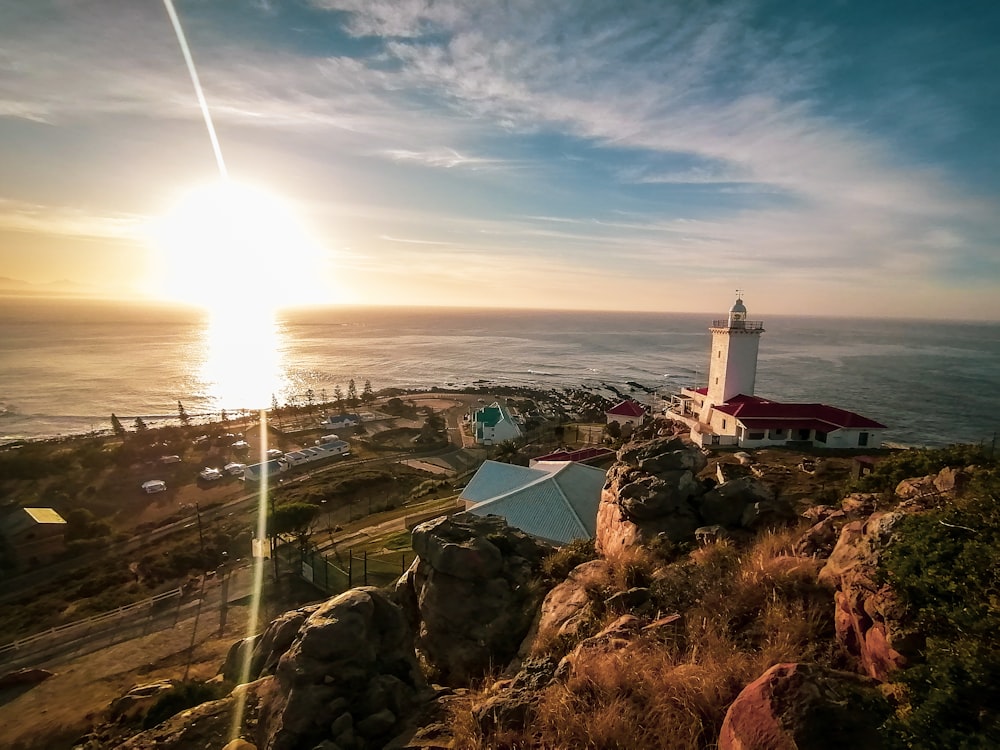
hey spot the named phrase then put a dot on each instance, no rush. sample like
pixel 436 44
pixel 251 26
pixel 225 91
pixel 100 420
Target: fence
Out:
pixel 359 569
pixel 72 631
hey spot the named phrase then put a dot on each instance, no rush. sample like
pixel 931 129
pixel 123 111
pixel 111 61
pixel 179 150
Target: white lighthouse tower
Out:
pixel 733 367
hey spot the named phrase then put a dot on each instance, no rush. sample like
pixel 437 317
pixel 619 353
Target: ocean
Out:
pixel 66 365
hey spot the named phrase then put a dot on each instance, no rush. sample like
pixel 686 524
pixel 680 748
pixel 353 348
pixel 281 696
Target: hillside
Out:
pixel 705 615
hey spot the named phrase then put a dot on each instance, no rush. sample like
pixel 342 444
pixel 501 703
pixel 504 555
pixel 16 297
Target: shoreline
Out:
pixel 641 393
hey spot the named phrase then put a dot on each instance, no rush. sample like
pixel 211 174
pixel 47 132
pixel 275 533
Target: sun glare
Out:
pixel 228 244
pixel 242 363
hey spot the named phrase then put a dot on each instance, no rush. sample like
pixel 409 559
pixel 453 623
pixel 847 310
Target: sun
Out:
pixel 228 244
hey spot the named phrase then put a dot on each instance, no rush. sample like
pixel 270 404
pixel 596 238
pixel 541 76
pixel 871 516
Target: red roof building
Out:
pixel 581 456
pixel 626 411
pixel 718 415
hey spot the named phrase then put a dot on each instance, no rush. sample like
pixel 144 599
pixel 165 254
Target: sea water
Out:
pixel 66 365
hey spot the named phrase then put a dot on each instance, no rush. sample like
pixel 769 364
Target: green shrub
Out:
pixel 919 462
pixel 943 565
pixel 558 565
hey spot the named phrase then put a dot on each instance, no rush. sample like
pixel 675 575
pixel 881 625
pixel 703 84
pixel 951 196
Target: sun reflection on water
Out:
pixel 242 363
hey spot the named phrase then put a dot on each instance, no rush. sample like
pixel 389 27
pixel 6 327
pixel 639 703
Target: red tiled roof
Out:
pixel 584 454
pixel 764 414
pixel 702 391
pixel 627 408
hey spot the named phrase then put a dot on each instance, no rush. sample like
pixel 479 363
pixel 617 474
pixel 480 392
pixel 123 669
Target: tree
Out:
pixel 274 403
pixel 140 425
pixel 367 396
pixel 310 397
pixel 182 414
pixel 293 518
pixel 338 397
pixel 116 426
pixel 223 416
pixel 507 452
pixel 352 393
pixel 433 430
pixel 322 396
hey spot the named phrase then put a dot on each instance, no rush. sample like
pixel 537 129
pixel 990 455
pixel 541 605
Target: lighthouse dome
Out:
pixel 738 307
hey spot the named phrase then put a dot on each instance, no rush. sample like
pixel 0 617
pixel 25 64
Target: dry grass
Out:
pixel 743 611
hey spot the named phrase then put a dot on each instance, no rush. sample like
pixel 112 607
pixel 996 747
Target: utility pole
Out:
pixel 201 536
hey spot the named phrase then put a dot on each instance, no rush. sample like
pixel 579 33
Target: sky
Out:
pixel 829 158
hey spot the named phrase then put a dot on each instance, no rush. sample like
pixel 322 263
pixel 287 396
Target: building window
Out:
pixel 820 437
pixel 716 381
pixel 863 439
pixel 755 435
pixel 718 354
pixel 723 424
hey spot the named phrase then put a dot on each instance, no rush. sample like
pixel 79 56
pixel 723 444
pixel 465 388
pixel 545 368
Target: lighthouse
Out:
pixel 732 369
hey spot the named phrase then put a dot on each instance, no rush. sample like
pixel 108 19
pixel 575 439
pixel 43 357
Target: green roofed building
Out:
pixel 494 424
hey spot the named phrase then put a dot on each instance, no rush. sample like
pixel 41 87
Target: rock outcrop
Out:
pixel 469 593
pixel 569 604
pixel 350 676
pixel 805 707
pixel 653 490
pixel 870 621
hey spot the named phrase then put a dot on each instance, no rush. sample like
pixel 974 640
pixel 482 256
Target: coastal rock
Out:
pixel 276 640
pixel 860 503
pixel 569 603
pixel 762 514
pixel 661 455
pixel 26 676
pixel 916 488
pixel 615 637
pixel 204 726
pixel 870 622
pixel 805 707
pixel 818 540
pixel 354 655
pixel 648 492
pixel 137 701
pixel 725 504
pixel 470 593
pixel 240 654
pixel 952 480
pixel 512 704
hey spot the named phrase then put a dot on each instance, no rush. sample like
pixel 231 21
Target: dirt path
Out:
pixel 63 707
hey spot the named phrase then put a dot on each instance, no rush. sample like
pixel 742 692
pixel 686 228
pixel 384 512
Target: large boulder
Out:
pixel 470 593
pixel 870 620
pixel 511 704
pixel 805 707
pixel 653 490
pixel 270 646
pixel 649 492
pixel 568 605
pixel 349 677
pixel 726 504
pixel 239 661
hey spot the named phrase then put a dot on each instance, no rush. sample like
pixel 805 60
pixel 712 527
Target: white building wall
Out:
pixel 733 367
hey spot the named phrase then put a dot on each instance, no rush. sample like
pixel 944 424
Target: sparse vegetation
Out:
pixel 181 696
pixel 743 610
pixel 943 565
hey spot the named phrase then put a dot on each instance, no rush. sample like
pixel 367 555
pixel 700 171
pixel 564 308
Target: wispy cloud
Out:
pixel 20 216
pixel 446 158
